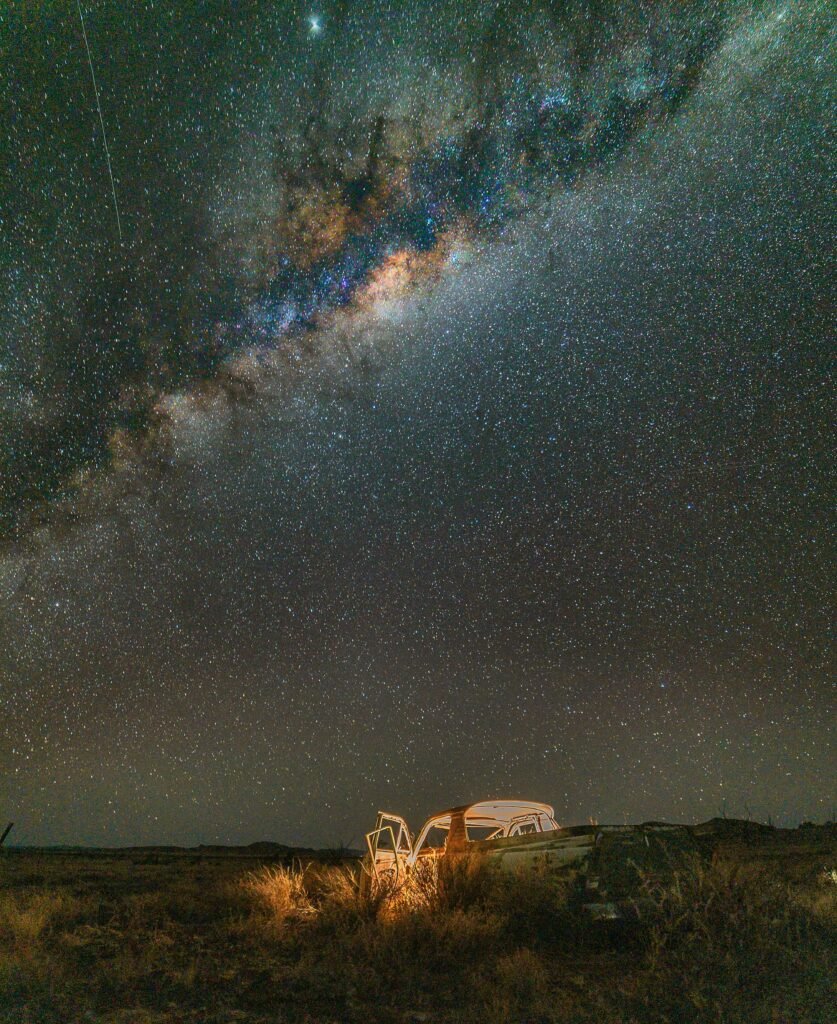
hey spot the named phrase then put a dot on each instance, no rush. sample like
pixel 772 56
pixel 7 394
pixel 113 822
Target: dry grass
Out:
pixel 281 893
pixel 748 937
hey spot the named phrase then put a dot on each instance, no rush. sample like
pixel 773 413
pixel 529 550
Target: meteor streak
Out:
pixel 101 119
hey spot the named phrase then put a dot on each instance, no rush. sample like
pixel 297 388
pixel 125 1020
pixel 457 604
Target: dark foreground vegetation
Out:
pixel 743 935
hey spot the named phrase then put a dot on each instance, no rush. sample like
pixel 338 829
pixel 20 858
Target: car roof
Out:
pixel 496 810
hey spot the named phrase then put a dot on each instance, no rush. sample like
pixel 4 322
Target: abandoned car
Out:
pixel 505 825
pixel 613 862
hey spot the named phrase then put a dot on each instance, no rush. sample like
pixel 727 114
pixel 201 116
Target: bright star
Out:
pixel 316 26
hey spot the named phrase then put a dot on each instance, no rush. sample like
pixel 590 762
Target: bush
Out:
pixel 280 893
pixel 735 943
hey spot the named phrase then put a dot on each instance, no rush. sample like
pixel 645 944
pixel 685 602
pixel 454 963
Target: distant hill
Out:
pixel 263 849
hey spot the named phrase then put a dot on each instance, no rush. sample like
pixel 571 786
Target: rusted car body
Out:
pixel 511 829
pixel 613 863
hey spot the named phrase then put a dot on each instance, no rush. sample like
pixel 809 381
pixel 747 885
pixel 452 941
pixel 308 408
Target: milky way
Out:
pixel 451 423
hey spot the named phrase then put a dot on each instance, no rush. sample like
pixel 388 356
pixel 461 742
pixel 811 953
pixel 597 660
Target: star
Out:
pixel 315 25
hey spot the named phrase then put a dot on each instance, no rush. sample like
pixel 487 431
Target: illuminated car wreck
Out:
pixel 612 862
pixel 503 826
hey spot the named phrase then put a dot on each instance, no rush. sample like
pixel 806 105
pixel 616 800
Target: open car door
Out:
pixel 389 846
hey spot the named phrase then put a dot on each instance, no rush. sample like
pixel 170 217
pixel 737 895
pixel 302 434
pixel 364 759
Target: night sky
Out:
pixel 451 420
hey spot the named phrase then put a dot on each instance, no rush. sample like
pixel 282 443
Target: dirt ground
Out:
pixel 746 933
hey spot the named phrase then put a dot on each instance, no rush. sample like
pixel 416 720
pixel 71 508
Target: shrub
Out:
pixel 734 944
pixel 279 892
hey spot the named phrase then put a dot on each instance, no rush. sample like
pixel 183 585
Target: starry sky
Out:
pixel 445 416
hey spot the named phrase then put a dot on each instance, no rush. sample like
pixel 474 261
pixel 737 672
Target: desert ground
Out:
pixel 745 933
